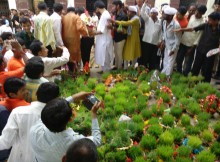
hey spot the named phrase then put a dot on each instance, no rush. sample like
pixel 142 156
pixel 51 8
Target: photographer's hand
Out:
pixel 80 96
pixel 94 110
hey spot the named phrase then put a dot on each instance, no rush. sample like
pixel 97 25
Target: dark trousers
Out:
pixel 142 50
pixel 218 69
pixel 149 56
pixel 188 59
pixel 86 46
pixel 203 63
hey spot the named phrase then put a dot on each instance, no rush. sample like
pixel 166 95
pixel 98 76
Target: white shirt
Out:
pixel 16 132
pixel 172 39
pixel 51 63
pixel 57 28
pixel 5 28
pixel 191 38
pixel 153 29
pixel 104 42
pixel 51 147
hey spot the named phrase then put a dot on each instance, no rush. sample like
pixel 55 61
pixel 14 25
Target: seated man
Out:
pixel 16 132
pixel 15 88
pixel 38 49
pixel 82 150
pixel 5 74
pixel 34 70
pixel 51 137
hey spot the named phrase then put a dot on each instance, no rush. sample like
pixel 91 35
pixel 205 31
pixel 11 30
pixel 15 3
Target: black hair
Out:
pixel 80 10
pixel 82 150
pixel 34 67
pixel 13 85
pixel 20 41
pixel 25 20
pixel 57 7
pixel 42 6
pixel 47 92
pixel 99 4
pixel 71 9
pixel 214 16
pixel 217 2
pixel 182 10
pixel 2 21
pixel 164 4
pixel 6 35
pixel 201 9
pixel 56 115
pixel 118 2
pixel 35 47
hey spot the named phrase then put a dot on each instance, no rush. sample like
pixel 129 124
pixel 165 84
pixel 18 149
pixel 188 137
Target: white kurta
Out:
pixel 104 42
pixel 172 42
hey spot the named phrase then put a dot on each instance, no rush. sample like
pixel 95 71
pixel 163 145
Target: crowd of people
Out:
pixel 35 48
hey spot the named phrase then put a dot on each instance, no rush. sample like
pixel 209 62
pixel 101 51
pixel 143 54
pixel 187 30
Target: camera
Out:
pixel 90 101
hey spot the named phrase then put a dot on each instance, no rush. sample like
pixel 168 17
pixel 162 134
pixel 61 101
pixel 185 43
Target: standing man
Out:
pixel 209 40
pixel 72 28
pixel 119 32
pixel 189 41
pixel 43 29
pixel 171 39
pixel 104 42
pixel 152 36
pixel 132 49
pixel 57 26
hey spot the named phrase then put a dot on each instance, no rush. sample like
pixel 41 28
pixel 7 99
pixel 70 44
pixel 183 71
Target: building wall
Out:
pixel 26 4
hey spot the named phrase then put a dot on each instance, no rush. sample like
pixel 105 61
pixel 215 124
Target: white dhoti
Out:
pixel 168 62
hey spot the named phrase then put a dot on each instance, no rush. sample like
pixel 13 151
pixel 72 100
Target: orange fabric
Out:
pixel 11 103
pixel 5 74
pixel 14 64
pixel 72 28
pixel 183 23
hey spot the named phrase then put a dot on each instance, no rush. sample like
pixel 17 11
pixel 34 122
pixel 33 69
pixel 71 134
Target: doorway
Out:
pixel 4 8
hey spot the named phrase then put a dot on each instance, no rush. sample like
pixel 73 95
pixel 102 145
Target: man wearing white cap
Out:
pixel 152 36
pixel 132 48
pixel 171 40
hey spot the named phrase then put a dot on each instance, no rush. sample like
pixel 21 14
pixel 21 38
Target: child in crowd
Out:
pixel 26 33
pixel 15 88
pixel 34 70
pixel 38 49
pixel 51 136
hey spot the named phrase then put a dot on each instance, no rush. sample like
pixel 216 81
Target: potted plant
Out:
pixel 215 148
pixel 217 127
pixel 203 116
pixel 166 138
pixel 146 114
pixel 194 142
pixel 144 87
pixel 152 156
pixel 176 111
pixel 207 136
pixel 205 156
pixel 185 120
pixel 154 120
pixel 178 134
pixel 148 142
pixel 183 159
pixel 193 108
pixel 134 152
pixel 165 152
pixel 100 89
pixel 168 120
pixel 155 130
pixel 140 159
pixel 119 109
pixel 91 83
pixel 192 130
pixel 158 110
pixel 137 118
pixel 184 151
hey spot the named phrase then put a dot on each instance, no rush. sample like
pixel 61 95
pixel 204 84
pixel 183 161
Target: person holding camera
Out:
pixel 50 138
